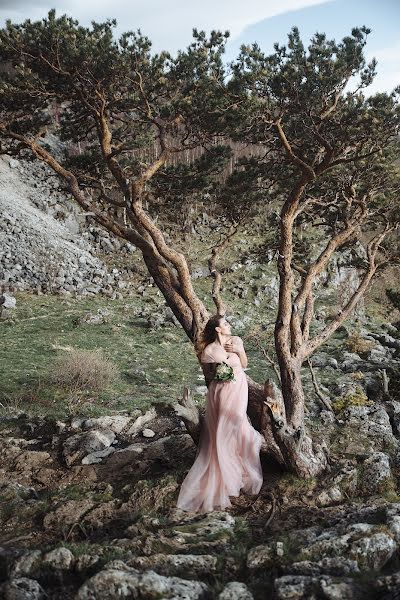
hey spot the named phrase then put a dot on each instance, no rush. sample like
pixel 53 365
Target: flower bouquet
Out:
pixel 224 372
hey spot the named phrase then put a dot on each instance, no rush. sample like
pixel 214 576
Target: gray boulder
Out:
pixel 184 565
pixel 375 473
pixel 26 564
pixel 22 588
pixel 7 301
pixel 120 581
pixel 235 590
pixel 59 558
pixel 97 457
pixel 81 444
pixel 115 423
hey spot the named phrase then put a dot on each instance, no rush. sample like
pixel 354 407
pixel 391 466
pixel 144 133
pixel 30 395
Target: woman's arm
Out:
pixel 236 346
pixel 243 358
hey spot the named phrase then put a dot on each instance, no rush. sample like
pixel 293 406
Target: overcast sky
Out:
pixel 169 23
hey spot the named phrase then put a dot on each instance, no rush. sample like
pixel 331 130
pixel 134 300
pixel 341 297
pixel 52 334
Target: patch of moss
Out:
pixel 112 553
pixel 388 489
pixel 205 537
pixel 356 398
pixel 293 483
pixel 290 550
pixel 102 496
pixel 74 491
pixel 161 547
pixel 79 548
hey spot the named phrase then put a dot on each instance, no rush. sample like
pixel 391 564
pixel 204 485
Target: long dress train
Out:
pixel 228 454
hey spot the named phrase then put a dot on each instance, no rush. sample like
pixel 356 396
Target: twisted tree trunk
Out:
pixel 170 272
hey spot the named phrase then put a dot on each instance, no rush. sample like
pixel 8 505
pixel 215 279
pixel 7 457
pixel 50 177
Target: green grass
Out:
pixel 165 355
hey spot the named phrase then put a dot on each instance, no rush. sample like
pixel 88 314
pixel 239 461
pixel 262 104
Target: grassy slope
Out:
pixel 165 355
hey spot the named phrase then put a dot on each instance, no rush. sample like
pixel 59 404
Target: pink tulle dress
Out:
pixel 228 453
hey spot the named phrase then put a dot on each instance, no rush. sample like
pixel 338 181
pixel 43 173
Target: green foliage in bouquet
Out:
pixel 224 372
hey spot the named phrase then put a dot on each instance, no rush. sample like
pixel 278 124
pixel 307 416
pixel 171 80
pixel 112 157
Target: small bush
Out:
pixel 357 375
pixel 356 398
pixel 356 343
pixel 11 404
pixel 81 370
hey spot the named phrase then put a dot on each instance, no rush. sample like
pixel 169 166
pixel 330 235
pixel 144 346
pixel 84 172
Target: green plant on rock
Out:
pixel 79 548
pixel 296 484
pixel 113 553
pixel 8 510
pixel 356 398
pixel 102 496
pixel 291 550
pixel 74 491
pixel 388 489
pixel 241 538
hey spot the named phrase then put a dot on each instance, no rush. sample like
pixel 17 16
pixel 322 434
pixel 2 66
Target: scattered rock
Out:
pixel 126 582
pixel 335 565
pixel 67 515
pixel 263 556
pixel 370 549
pixel 27 564
pixel 184 565
pixel 54 250
pixel 22 588
pixel 81 444
pixel 235 590
pixel 148 433
pixel 330 496
pixel 115 423
pixel 375 473
pixel 97 457
pixel 59 558
pixel 7 301
pixel 84 562
pixel 137 426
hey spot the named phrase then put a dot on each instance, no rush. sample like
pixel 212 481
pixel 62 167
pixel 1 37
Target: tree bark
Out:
pixel 292 391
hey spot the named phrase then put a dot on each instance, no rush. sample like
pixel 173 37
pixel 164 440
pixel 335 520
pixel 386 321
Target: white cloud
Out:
pixel 168 23
pixel 388 54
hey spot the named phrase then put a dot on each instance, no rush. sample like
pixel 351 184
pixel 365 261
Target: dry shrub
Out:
pixel 81 370
pixel 356 343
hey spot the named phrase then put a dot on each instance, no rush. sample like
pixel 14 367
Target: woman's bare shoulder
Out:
pixel 211 350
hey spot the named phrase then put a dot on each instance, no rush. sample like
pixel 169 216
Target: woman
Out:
pixel 228 454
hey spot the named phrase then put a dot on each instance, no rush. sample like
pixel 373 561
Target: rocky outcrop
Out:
pixel 41 235
pixel 121 581
pixel 98 497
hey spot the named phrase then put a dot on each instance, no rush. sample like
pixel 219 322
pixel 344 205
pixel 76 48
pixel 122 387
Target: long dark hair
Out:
pixel 208 335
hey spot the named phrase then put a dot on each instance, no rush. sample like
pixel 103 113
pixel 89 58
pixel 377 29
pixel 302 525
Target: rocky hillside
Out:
pixel 88 502
pixel 88 512
pixel 47 244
